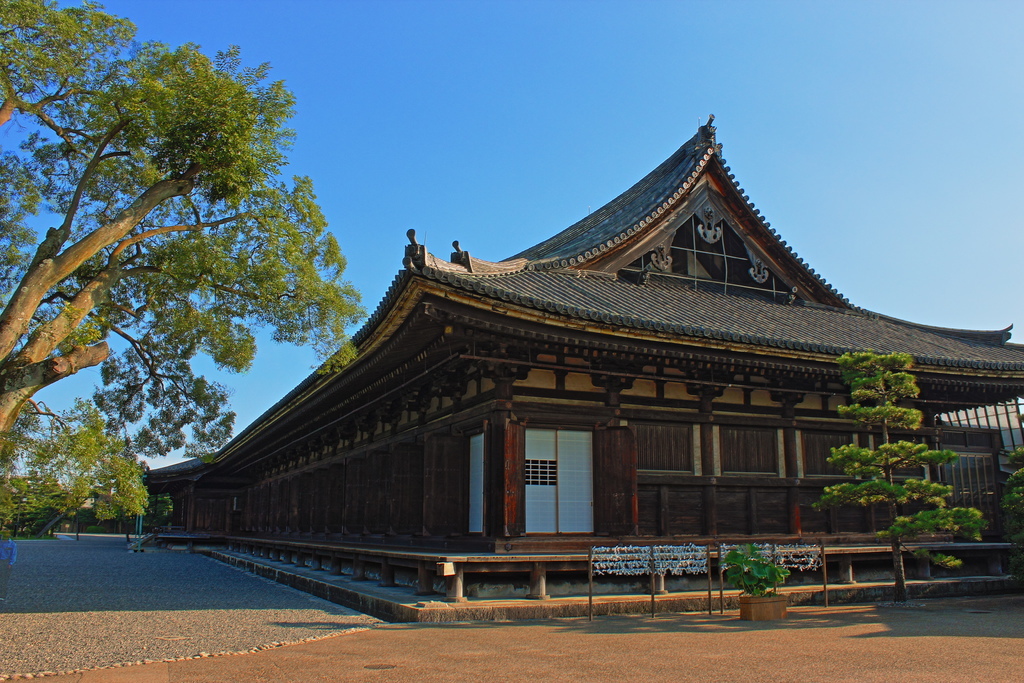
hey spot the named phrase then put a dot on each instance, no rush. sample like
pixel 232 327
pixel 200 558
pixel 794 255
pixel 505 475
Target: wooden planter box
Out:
pixel 762 608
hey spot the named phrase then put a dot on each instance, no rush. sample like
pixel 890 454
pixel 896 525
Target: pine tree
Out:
pixel 878 384
pixel 1013 515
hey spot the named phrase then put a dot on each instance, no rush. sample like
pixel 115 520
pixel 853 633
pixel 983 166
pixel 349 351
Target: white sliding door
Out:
pixel 476 483
pixel 559 481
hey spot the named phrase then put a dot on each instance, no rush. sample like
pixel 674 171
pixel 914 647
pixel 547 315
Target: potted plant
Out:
pixel 757 577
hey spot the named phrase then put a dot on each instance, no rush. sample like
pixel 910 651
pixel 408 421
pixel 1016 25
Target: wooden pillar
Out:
pixel 707 394
pixel 791 456
pixel 924 568
pixel 281 505
pixel 387 573
pixel 707 458
pixel 425 578
pixel 358 569
pixel 845 570
pixel 505 459
pixel 506 467
pixel 538 582
pixel 336 500
pixel 455 591
pixel 190 510
pixel 292 524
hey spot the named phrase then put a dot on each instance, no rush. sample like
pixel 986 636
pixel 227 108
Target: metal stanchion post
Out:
pixel 824 572
pixel 652 580
pixel 707 555
pixel 721 582
pixel 590 575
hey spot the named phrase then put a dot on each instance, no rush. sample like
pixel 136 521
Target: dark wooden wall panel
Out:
pixel 406 499
pixel 749 449
pixel 664 447
pixel 292 487
pixel 852 519
pixel 354 491
pixel 377 491
pixel 446 484
pixel 733 511
pixel 336 500
pixel 685 511
pixel 818 448
pixel 615 492
pixel 648 504
pixel 307 501
pixel 771 512
pixel 812 521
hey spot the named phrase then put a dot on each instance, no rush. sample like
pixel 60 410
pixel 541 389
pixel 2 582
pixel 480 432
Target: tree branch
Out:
pixel 146 234
pixel 39 408
pixel 61 132
pixel 47 336
pixel 97 158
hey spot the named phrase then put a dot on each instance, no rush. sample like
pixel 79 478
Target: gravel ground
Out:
pixel 76 605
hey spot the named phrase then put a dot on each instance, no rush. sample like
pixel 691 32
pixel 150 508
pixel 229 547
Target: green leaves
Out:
pixel 751 572
pixel 963 522
pixel 175 236
pixel 78 454
pixel 883 381
pixel 1013 516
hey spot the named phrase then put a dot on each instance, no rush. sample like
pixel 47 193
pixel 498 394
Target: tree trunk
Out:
pixel 18 385
pixel 6 111
pixel 900 588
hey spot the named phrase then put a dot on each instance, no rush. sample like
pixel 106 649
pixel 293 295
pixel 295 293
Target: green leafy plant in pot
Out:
pixel 747 569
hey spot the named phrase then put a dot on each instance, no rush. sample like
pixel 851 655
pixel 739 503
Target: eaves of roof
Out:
pixel 678 307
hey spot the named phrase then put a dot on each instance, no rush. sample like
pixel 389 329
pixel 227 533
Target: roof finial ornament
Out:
pixel 415 253
pixel 706 136
pixel 461 257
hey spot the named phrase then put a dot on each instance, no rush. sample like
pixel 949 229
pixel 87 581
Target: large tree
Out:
pixel 879 384
pixel 169 231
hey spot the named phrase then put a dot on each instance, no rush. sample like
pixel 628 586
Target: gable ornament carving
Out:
pixel 758 270
pixel 661 258
pixel 710 231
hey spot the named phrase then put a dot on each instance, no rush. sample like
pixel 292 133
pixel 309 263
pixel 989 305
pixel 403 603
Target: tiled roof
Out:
pixel 180 467
pixel 641 207
pixel 677 306
pixel 614 221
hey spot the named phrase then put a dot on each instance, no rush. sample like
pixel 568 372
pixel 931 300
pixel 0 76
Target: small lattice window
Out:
pixel 541 473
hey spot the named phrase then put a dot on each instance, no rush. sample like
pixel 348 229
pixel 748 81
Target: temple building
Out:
pixel 664 369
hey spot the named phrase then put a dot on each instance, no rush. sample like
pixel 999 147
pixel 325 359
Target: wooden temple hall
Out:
pixel 662 371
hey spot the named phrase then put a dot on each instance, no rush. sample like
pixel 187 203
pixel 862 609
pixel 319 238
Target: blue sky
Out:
pixel 883 140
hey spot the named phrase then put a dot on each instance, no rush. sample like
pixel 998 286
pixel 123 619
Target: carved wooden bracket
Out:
pixel 789 401
pixel 706 394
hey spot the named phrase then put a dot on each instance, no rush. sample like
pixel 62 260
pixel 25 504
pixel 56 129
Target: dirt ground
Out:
pixel 961 639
